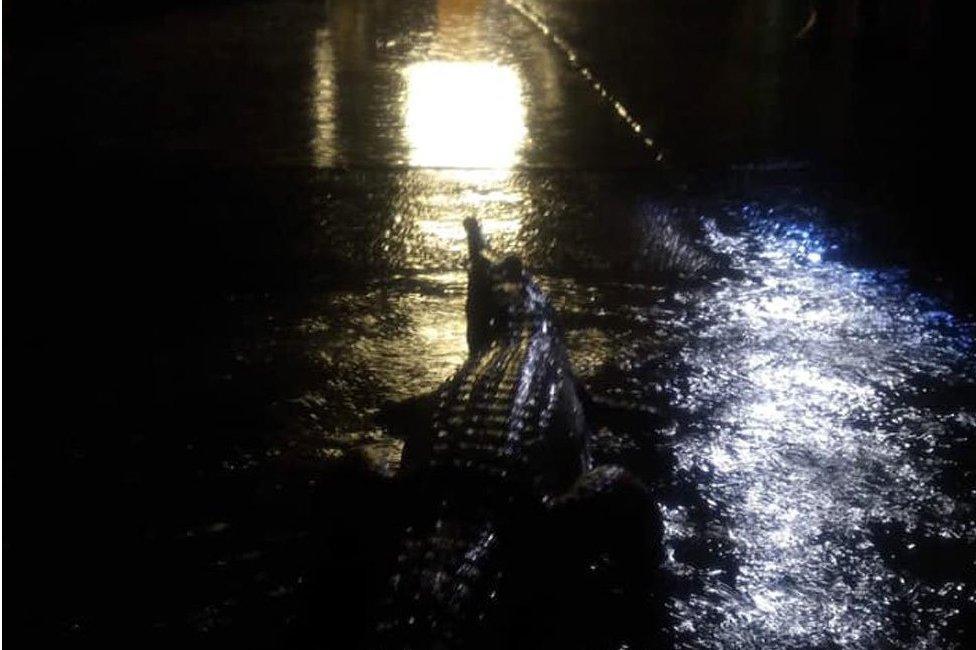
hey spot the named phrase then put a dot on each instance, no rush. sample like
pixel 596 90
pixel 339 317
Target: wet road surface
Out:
pixel 277 253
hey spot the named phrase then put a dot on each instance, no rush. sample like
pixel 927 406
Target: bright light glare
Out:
pixel 464 114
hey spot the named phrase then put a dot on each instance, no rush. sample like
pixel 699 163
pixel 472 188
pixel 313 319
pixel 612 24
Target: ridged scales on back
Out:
pixel 508 445
pixel 447 576
pixel 511 415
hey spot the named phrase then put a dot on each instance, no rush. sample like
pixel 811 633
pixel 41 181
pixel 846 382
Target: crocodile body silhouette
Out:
pixel 507 487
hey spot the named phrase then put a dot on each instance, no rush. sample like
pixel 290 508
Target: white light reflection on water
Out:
pixel 801 436
pixel 464 114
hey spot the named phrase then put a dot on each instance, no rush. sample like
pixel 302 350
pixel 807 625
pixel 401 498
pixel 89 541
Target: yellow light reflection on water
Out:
pixel 464 114
pixel 464 121
pixel 323 100
pixel 487 195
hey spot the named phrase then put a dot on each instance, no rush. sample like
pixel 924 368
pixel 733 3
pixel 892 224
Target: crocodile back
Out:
pixel 444 589
pixel 507 434
pixel 510 418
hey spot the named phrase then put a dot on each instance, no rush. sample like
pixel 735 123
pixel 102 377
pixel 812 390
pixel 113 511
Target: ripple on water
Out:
pixel 817 492
pixel 797 436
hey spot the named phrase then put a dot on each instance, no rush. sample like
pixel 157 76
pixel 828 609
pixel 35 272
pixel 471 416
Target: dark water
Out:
pixel 259 247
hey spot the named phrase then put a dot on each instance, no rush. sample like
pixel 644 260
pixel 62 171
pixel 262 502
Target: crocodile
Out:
pixel 514 518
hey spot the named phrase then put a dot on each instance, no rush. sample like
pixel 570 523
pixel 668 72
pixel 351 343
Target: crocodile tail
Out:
pixel 444 588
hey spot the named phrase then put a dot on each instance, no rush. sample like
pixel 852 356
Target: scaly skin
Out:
pixel 509 443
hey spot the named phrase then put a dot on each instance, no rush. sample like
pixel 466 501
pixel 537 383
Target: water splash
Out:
pixel 801 436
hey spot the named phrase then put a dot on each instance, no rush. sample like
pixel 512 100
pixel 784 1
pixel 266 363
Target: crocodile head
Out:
pixel 503 302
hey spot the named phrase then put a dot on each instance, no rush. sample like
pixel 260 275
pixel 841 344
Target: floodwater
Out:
pixel 291 179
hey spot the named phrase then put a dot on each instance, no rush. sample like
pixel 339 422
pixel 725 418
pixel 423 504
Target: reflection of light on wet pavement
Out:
pixel 799 442
pixel 465 122
pixel 797 431
pixel 455 194
pixel 323 100
pixel 442 333
pixel 464 114
pixel 417 345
